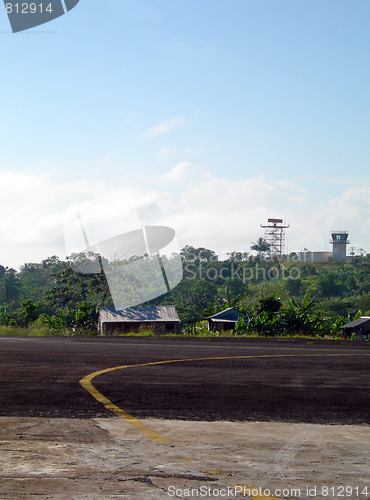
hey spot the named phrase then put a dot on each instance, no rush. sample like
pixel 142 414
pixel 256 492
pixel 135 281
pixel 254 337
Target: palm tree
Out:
pixel 11 285
pixel 260 246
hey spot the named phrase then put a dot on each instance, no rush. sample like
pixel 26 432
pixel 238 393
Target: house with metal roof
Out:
pixel 360 328
pixel 161 319
pixel 225 320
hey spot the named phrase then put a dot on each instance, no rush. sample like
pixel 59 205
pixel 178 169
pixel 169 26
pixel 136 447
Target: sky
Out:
pixel 204 116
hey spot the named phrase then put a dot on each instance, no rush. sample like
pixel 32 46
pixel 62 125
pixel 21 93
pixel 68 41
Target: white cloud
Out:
pixel 311 228
pixel 216 212
pixel 163 128
pixel 226 215
pixel 177 174
pixel 33 212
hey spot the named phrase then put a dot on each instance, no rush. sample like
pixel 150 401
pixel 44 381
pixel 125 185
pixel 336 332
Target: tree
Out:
pixel 293 286
pixel 328 285
pixel 238 256
pixel 71 287
pixel 51 263
pixel 191 254
pixel 269 305
pixel 11 286
pixel 260 246
pixel 36 279
pixel 28 311
pixel 86 315
pixel 235 292
pixel 192 299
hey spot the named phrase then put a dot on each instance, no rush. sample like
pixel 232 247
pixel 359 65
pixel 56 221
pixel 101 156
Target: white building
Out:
pixel 338 254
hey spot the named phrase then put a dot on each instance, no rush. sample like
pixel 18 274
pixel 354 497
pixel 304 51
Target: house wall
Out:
pixel 358 333
pixel 220 326
pixel 314 256
pixel 117 328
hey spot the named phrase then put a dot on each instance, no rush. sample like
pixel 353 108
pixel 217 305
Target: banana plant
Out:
pixel 296 316
pixel 262 324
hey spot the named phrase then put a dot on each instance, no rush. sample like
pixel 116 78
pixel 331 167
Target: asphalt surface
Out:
pixel 326 382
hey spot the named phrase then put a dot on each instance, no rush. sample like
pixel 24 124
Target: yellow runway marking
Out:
pixel 152 434
pixel 155 436
pixel 86 384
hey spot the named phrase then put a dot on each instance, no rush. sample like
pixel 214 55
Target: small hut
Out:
pixel 359 328
pixel 162 319
pixel 225 320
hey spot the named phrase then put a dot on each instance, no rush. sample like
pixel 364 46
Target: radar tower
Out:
pixel 275 235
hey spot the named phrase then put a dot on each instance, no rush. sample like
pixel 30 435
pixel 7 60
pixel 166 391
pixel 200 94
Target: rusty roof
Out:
pixel 138 314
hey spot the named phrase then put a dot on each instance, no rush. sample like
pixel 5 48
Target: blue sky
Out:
pixel 212 113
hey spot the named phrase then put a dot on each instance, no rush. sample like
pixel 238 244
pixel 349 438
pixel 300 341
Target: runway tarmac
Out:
pixel 262 380
pixel 248 420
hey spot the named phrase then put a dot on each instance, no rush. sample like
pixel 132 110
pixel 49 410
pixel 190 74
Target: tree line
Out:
pixel 277 295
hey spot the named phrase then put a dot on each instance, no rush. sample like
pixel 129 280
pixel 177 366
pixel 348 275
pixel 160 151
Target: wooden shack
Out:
pixel 161 319
pixel 359 328
pixel 225 320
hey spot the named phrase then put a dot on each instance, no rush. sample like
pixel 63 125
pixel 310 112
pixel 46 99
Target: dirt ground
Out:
pixel 66 459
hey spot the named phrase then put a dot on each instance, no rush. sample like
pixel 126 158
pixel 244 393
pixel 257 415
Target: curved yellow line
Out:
pixel 86 384
pixel 152 434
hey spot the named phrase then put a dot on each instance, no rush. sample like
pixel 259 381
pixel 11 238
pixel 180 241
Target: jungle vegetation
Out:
pixel 279 296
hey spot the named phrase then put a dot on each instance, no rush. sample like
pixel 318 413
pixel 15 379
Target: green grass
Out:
pixel 145 333
pixel 44 331
pixel 17 331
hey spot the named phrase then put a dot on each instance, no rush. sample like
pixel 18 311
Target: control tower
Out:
pixel 339 240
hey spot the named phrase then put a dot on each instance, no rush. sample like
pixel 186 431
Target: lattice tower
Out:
pixel 275 235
